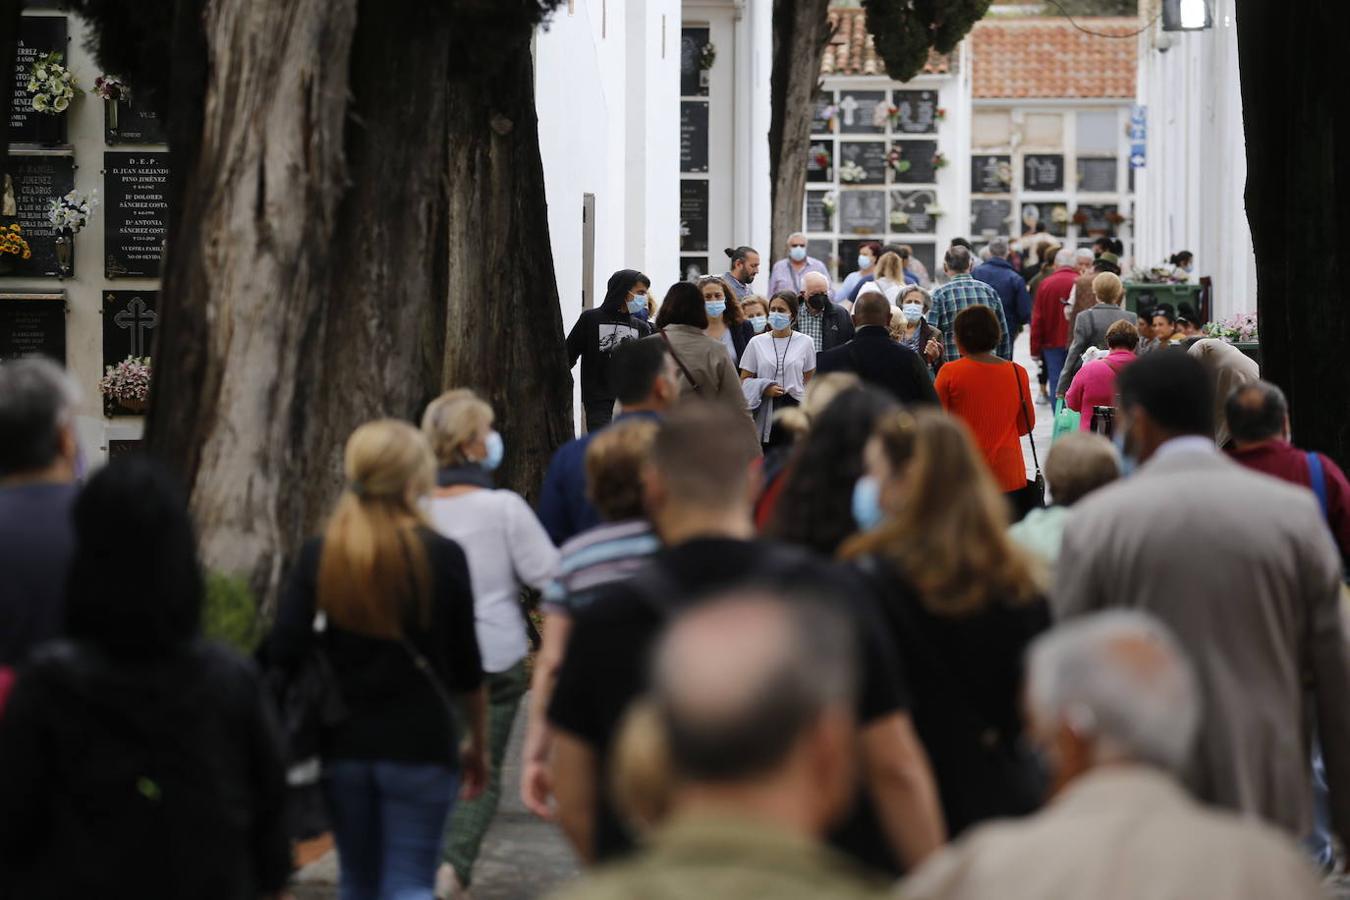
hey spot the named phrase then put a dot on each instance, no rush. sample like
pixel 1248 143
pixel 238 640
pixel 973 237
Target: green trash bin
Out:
pixel 1139 294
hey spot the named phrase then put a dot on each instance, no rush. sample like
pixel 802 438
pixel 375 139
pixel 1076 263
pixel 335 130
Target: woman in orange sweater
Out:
pixel 983 391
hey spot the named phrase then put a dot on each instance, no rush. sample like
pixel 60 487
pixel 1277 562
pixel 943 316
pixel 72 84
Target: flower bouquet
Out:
pixel 707 56
pixel 1115 218
pixel 128 383
pixel 852 173
pixel 1060 215
pixel 940 114
pixel 934 211
pixel 822 159
pixel 51 84
pixel 884 114
pixel 939 161
pixel 13 247
pixel 69 215
pixel 1238 329
pixel 897 162
pixel 1080 217
pixel 113 91
pixel 829 203
pixel 830 114
pixel 899 219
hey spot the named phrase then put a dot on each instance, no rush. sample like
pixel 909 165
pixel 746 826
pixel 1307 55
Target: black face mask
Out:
pixel 817 301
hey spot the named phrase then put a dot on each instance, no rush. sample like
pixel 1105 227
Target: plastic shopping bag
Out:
pixel 1066 422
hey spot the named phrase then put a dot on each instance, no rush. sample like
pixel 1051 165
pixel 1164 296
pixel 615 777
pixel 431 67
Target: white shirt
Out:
pixel 506 547
pixel 784 361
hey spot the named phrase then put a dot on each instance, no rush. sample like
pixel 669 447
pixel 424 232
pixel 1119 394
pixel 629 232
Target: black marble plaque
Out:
pixel 130 319
pixel 990 174
pixel 124 448
pixel 693 80
pixel 820 161
pixel 693 268
pixel 34 181
pixel 693 216
pixel 870 156
pixel 135 124
pixel 919 155
pixel 916 112
pixel 820 122
pixel 816 217
pixel 821 249
pixel 1043 172
pixel 989 217
pixel 858 112
pixel 912 210
pixel 926 254
pixel 693 135
pixel 1056 218
pixel 38 36
pixel 137 218
pixel 33 324
pixel 862 212
pixel 1097 176
pixel 1098 219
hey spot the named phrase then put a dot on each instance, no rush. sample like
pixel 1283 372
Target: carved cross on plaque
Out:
pixel 138 319
pixel 848 105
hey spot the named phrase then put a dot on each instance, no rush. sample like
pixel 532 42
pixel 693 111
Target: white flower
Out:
pixel 61 104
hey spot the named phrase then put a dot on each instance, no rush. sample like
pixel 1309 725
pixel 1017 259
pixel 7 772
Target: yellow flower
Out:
pixel 28 254
pixel 15 227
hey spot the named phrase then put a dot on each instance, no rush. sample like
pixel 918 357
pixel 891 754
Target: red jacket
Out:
pixel 1049 326
pixel 1285 461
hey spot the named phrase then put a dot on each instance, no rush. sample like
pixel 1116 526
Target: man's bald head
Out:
pixel 872 308
pixel 738 681
pixel 815 283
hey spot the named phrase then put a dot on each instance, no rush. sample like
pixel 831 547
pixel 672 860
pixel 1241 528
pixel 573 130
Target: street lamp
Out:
pixel 1186 15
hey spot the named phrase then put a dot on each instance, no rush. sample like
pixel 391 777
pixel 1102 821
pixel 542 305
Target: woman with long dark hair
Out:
pixel 726 319
pixel 706 369
pixel 137 758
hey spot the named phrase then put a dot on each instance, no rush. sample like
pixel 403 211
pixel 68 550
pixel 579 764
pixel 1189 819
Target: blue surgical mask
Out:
pixel 913 311
pixel 779 320
pixel 797 253
pixel 864 262
pixel 637 303
pixel 758 323
pixel 715 308
pixel 867 510
pixel 496 449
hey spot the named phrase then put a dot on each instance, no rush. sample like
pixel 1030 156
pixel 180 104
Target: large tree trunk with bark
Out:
pixel 801 29
pixel 1297 190
pixel 503 328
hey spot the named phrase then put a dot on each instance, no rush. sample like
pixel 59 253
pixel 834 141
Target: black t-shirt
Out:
pixel 607 654
pixel 596 334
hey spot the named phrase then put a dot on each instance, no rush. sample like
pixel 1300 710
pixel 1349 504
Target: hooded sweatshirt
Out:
pixel 598 331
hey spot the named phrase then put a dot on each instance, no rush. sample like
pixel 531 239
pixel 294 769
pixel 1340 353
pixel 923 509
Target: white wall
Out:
pixel 1190 193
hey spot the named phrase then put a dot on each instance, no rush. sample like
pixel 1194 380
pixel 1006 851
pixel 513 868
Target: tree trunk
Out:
pixel 503 327
pixel 1297 187
pixel 801 29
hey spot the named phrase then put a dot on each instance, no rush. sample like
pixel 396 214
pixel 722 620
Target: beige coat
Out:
pixel 710 365
pixel 1119 832
pixel 1242 569
pixel 1230 368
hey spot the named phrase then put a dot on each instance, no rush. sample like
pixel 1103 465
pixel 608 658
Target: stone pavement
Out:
pixel 522 857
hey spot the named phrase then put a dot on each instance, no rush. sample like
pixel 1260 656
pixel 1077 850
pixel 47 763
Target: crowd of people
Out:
pixel 809 623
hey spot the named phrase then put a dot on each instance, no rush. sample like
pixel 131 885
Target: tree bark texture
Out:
pixel 1297 192
pixel 801 29
pixel 503 324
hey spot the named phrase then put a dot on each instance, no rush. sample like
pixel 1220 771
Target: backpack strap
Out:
pixel 1318 478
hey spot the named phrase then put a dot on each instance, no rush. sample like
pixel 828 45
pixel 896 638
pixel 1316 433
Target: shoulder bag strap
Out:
pixel 679 362
pixel 1022 408
pixel 1318 478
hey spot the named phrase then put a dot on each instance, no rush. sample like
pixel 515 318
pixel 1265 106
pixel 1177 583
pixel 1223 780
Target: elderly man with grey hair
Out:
pixel 751 709
pixel 827 324
pixel 1115 708
pixel 38 460
pixel 1011 287
pixel 963 291
pixel 789 273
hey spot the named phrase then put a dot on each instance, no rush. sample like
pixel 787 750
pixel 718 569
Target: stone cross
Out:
pixel 847 106
pixel 138 319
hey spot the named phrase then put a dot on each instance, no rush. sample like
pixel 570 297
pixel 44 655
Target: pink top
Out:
pixel 1095 385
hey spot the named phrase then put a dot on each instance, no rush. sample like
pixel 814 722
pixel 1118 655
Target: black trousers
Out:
pixel 599 413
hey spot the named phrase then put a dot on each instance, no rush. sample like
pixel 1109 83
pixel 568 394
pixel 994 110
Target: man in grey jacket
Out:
pixel 1089 329
pixel 1243 570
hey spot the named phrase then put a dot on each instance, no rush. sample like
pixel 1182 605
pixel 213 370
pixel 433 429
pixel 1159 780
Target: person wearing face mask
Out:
pixel 789 274
pixel 1183 264
pixel 916 333
pixel 866 273
pixel 726 319
pixel 961 602
pixel 756 312
pixel 599 331
pixel 744 270
pixel 826 324
pixel 777 365
pixel 878 360
pixel 507 549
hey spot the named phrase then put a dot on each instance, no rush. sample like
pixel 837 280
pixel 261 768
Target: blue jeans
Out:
pixel 1054 357
pixel 387 820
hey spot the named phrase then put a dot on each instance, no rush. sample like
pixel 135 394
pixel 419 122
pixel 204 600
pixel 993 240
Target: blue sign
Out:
pixel 1138 155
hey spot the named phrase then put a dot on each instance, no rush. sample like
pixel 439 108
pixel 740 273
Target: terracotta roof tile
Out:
pixel 1046 57
pixel 851 51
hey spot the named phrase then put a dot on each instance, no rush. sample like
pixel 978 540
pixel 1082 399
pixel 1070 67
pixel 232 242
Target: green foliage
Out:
pixel 231 613
pixel 905 30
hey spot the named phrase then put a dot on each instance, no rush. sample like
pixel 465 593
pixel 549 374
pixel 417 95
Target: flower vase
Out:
pixel 49 128
pixel 111 109
pixel 134 404
pixel 65 253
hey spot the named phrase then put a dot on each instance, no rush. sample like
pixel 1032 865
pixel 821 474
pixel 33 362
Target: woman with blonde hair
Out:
pixel 962 603
pixel 397 634
pixel 507 550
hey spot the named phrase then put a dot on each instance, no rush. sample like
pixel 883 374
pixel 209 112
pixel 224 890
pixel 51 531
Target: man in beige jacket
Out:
pixel 1115 707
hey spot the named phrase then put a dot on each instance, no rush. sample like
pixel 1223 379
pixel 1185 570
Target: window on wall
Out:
pixel 871 174
pixel 694 141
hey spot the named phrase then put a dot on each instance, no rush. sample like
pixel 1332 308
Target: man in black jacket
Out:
pixel 826 324
pixel 877 359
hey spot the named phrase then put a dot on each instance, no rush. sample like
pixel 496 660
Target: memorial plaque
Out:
pixel 33 324
pixel 820 122
pixel 1043 172
pixel 820 161
pixel 848 254
pixel 926 254
pixel 124 448
pixel 916 112
pixel 1097 176
pixel 990 217
pixel 1057 219
pixel 870 156
pixel 35 179
pixel 909 212
pixel 1098 219
pixel 860 111
pixel 38 36
pixel 862 212
pixel 919 155
pixel 693 267
pixel 694 216
pixel 693 135
pixel 816 217
pixel 136 124
pixel 693 78
pixel 136 189
pixel 990 174
pixel 129 322
pixel 821 249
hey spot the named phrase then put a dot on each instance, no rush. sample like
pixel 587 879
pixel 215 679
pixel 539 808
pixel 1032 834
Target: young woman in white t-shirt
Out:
pixel 782 359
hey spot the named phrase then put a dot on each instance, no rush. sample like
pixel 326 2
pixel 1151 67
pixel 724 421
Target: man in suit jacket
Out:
pixel 877 359
pixel 1244 572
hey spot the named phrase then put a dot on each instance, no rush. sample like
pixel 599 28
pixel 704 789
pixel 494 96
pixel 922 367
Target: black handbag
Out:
pixel 1033 495
pixel 309 702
